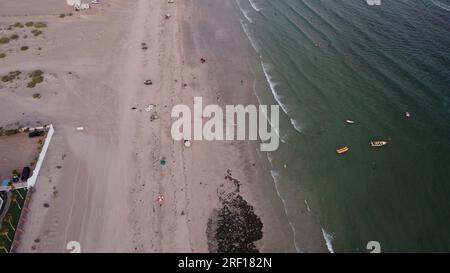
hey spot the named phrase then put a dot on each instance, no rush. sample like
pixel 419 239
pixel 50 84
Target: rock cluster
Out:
pixel 238 227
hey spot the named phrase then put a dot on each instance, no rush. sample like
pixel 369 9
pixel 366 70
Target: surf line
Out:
pixel 235 117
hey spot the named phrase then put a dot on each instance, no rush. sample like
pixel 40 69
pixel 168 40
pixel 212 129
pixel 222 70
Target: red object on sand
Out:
pixel 161 198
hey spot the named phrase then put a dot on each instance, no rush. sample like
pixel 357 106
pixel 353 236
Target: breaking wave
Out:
pixel 254 5
pixel 273 84
pixel 329 240
pixel 441 5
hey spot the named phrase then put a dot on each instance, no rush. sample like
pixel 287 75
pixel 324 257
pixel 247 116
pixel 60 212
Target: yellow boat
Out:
pixel 342 150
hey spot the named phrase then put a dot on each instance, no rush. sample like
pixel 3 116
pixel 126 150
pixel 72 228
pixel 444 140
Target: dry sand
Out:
pixel 104 196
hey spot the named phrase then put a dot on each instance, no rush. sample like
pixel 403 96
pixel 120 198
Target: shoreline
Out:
pixel 230 39
pixel 304 223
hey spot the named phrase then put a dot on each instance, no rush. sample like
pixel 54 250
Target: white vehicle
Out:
pixel 81 6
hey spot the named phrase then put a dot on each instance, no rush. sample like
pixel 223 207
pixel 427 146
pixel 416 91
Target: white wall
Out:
pixel 32 180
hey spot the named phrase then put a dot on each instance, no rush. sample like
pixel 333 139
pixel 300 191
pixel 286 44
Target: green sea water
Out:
pixel 331 60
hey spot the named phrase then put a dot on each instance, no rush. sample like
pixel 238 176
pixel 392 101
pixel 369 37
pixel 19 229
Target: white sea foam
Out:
pixel 441 5
pixel 244 12
pixel 250 36
pixel 273 85
pixel 275 176
pixel 255 5
pixel 328 240
pixel 307 206
pixel 266 68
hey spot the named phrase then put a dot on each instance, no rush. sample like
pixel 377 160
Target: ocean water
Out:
pixel 325 61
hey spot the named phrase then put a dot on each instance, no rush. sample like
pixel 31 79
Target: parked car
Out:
pixel 26 173
pixel 36 133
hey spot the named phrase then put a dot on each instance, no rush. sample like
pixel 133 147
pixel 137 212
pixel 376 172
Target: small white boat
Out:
pixel 349 121
pixel 377 143
pixel 408 114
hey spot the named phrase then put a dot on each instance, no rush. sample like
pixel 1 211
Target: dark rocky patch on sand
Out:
pixel 235 227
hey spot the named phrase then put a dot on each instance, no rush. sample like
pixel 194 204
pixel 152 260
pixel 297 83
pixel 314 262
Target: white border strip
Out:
pixel 32 180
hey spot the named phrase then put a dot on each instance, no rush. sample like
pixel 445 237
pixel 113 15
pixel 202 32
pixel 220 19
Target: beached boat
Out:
pixel 342 150
pixel 377 143
pixel 350 121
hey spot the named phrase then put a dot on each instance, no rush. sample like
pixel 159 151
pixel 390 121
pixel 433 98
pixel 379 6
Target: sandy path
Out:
pixel 97 181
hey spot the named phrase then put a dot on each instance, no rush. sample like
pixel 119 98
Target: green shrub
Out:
pixel 34 81
pixel 14 37
pixel 4 40
pixel 29 24
pixel 11 76
pixel 23 48
pixel 36 73
pixel 2 55
pixel 36 32
pixel 11 132
pixel 40 25
pixel 36 96
pixel 36 76
pixel 62 15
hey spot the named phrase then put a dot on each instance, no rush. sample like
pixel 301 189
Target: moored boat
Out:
pixel 377 143
pixel 349 121
pixel 342 150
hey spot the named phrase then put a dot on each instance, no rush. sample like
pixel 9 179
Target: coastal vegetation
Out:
pixel 4 40
pixel 40 25
pixel 11 76
pixel 37 77
pixel 36 32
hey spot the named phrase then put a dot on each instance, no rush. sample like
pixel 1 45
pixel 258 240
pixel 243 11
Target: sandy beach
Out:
pixel 102 184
